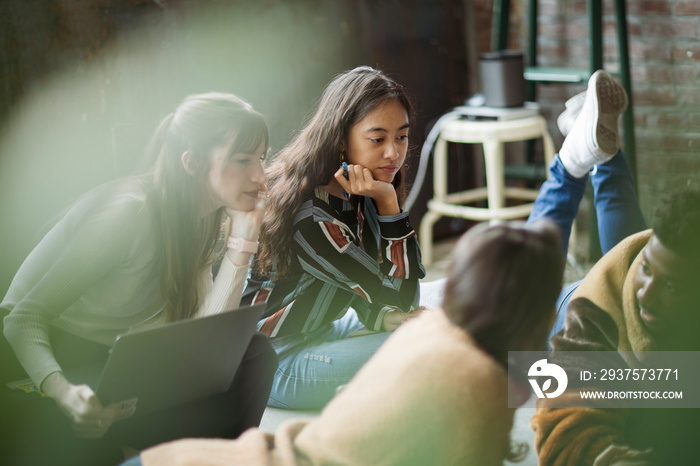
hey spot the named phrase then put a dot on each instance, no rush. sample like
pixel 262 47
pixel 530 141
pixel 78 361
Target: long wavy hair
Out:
pixel 187 237
pixel 314 155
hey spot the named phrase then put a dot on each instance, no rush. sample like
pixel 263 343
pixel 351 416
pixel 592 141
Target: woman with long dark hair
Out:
pixel 134 253
pixel 334 237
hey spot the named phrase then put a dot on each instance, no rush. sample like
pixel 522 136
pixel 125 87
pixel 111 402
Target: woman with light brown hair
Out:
pixel 334 237
pixel 134 253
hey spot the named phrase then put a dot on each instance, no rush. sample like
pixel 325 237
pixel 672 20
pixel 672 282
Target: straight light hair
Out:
pixel 186 238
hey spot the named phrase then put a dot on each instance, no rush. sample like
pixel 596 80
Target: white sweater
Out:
pixel 93 275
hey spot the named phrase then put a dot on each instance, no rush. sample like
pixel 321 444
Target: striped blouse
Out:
pixel 342 256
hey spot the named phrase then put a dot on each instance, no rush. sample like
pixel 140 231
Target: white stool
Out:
pixel 492 134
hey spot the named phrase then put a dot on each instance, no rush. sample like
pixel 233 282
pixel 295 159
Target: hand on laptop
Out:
pixel 81 406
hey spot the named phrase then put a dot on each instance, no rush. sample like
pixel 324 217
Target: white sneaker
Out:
pixel 593 137
pixel 573 108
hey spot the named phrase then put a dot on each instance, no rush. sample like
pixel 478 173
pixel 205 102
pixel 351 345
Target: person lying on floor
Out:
pixel 641 296
pixel 437 391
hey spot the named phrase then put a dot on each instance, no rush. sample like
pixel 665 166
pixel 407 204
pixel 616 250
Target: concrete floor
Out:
pixel 521 432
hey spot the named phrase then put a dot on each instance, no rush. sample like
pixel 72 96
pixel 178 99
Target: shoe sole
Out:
pixel 610 101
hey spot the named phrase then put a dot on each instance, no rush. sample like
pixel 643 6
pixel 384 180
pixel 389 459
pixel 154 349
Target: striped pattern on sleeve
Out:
pixel 343 255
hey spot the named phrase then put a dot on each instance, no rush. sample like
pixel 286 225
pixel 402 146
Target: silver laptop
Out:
pixel 156 368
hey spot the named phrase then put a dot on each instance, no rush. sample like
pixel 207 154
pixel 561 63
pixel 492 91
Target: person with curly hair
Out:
pixel 643 295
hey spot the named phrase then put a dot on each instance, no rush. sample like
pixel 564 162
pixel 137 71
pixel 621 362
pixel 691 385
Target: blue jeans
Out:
pixel 135 461
pixel 615 202
pixel 312 366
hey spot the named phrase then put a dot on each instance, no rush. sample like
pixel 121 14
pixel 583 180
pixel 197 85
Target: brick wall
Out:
pixel 664 38
pixel 83 83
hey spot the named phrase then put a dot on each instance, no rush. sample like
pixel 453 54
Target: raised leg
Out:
pixel 615 202
pixel 590 125
pixel 559 199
